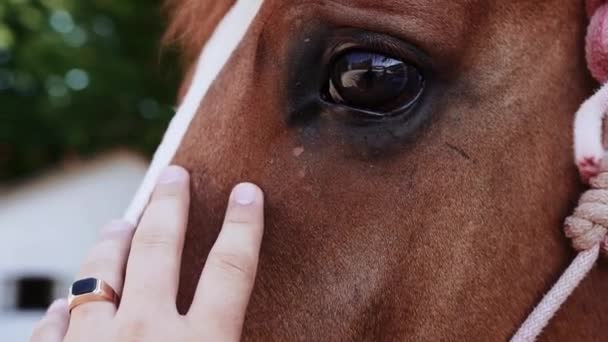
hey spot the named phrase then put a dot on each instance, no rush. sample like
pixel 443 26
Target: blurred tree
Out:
pixel 78 77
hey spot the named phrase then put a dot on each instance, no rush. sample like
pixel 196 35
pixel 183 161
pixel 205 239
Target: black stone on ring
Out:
pixel 82 286
pixel 91 290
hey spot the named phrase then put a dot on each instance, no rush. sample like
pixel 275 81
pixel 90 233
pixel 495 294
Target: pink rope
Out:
pixel 553 300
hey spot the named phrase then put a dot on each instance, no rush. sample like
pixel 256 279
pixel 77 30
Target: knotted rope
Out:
pixel 588 228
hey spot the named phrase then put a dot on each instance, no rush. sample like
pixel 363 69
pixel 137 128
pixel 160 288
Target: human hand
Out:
pixel 151 256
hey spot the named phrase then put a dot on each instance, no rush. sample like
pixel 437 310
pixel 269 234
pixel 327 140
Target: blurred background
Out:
pixel 86 92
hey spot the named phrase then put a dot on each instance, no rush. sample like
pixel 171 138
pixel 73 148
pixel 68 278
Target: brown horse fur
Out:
pixel 451 232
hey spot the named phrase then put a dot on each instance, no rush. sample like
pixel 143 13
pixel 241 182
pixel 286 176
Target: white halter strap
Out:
pixel 216 52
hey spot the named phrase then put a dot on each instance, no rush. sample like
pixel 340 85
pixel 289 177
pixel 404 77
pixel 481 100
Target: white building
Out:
pixel 46 227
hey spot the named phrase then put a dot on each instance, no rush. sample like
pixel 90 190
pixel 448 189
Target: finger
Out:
pixel 228 276
pixel 105 261
pixel 54 325
pixel 153 266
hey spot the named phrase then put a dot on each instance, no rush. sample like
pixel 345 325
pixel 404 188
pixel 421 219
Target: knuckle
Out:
pixel 99 260
pixel 162 205
pixel 154 240
pixel 240 266
pixel 166 196
pixel 135 329
pixel 105 252
pixel 106 247
pixel 239 222
pixel 244 221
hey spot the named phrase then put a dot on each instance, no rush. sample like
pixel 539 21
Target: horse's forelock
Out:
pixel 191 23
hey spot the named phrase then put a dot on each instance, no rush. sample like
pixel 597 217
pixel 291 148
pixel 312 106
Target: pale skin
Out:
pixel 149 257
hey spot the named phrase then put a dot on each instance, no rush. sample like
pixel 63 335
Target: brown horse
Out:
pixel 417 160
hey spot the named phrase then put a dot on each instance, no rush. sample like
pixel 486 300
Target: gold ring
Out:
pixel 90 290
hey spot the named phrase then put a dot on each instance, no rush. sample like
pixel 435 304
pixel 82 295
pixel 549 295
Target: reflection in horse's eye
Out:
pixel 373 82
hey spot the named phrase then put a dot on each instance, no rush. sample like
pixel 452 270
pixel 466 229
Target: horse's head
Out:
pixel 416 158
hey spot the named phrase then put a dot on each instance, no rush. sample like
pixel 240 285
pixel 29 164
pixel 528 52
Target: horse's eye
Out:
pixel 373 82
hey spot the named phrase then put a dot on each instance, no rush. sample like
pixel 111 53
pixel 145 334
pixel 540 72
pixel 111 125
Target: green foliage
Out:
pixel 78 77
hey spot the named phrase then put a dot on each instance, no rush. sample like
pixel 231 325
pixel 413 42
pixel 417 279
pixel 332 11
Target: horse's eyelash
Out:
pixel 379 43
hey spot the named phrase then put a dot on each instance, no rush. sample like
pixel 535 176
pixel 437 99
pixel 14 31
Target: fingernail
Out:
pixel 245 193
pixel 172 174
pixel 58 305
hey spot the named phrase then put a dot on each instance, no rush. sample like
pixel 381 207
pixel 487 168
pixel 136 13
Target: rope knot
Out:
pixel 588 226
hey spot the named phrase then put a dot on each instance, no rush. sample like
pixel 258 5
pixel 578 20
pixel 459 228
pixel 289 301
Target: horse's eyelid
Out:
pixel 380 43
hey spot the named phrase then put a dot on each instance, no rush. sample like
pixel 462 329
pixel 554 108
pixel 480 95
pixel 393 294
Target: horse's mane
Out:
pixel 191 23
